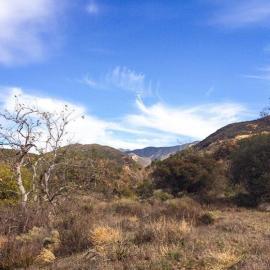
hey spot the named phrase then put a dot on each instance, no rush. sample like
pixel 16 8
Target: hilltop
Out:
pixel 236 131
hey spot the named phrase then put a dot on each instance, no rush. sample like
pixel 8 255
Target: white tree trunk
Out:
pixel 34 182
pixel 23 193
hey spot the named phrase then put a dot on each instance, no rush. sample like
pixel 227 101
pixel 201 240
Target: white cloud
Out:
pixel 154 125
pixel 92 8
pixel 196 122
pixel 127 79
pixel 239 13
pixel 25 28
pixel 122 78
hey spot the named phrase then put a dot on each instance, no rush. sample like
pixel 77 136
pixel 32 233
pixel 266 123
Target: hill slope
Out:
pixel 236 131
pixel 99 168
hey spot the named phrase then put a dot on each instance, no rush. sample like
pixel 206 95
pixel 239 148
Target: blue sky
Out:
pixel 142 72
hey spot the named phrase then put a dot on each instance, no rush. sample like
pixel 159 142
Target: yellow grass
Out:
pixel 104 235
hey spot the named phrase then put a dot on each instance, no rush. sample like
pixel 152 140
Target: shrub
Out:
pixel 207 219
pixel 189 171
pixel 145 189
pixel 162 195
pixel 250 166
pixel 15 220
pixel 19 254
pixel 74 230
pixel 128 207
pixel 184 207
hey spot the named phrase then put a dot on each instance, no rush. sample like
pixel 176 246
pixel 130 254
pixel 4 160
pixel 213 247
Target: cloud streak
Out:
pixel 263 74
pixel 196 122
pixel 25 29
pixel 240 13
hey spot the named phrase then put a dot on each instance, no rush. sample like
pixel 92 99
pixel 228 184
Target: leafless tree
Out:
pixel 265 111
pixel 55 136
pixel 27 129
pixel 20 131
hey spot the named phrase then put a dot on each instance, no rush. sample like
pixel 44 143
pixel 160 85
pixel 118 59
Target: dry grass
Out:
pixel 101 236
pixel 154 235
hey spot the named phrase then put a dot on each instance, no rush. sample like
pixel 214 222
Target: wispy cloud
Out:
pixel 127 79
pixel 122 78
pixel 196 121
pixel 210 91
pixel 26 28
pixel 262 74
pixel 93 8
pixel 156 125
pixel 240 13
pixel 87 80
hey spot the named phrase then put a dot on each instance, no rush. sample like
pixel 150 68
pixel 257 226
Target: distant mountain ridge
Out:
pixel 149 154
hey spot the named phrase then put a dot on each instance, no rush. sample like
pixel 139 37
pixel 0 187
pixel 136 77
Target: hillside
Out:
pixel 99 168
pixel 87 167
pixel 236 131
pixel 159 153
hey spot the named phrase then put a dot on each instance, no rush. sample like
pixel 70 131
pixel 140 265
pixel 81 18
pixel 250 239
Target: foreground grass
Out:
pixel 127 234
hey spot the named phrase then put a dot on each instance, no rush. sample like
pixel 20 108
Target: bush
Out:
pixel 184 207
pixel 190 172
pixel 250 166
pixel 128 207
pixel 19 254
pixel 162 195
pixel 145 189
pixel 74 229
pixel 207 219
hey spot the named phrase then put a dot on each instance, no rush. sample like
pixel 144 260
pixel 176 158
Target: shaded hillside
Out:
pixel 159 153
pixel 98 167
pixel 237 131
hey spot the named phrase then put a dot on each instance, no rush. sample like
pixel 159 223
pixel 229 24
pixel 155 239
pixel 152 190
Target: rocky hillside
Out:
pixel 158 153
pixel 236 131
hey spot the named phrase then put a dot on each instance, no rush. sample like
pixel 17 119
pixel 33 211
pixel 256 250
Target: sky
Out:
pixel 142 73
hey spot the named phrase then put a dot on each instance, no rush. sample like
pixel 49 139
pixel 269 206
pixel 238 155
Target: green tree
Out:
pixel 189 171
pixel 251 166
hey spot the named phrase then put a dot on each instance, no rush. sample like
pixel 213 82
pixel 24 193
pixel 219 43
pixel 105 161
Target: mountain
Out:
pixel 235 132
pixel 149 154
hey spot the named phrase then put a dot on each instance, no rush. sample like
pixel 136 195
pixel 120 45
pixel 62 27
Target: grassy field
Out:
pixel 179 233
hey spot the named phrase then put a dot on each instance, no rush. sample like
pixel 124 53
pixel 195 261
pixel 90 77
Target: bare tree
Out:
pixel 55 136
pixel 20 131
pixel 266 110
pixel 28 129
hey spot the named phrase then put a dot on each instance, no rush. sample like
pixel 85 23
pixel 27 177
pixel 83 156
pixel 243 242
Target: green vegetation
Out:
pixel 8 186
pixel 191 172
pixel 251 166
